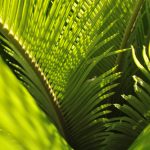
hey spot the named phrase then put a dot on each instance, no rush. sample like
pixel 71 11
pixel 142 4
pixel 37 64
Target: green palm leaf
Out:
pixel 136 112
pixel 64 54
pixel 23 125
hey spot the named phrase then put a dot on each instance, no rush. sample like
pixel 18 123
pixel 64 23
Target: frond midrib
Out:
pixel 128 31
pixel 39 74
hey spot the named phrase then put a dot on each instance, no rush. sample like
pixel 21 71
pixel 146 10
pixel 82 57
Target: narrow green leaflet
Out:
pixel 22 124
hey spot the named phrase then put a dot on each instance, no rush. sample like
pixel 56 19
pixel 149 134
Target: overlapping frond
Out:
pixel 136 34
pixel 34 80
pixel 85 107
pixel 23 125
pixel 136 110
pixel 58 34
pixel 54 47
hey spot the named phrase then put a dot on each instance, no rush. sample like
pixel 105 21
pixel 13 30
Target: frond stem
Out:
pixel 128 31
pixel 37 70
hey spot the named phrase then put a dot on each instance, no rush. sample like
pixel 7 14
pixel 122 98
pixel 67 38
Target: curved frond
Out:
pixel 50 39
pixel 137 34
pixel 86 105
pixel 136 110
pixel 23 125
pixel 64 53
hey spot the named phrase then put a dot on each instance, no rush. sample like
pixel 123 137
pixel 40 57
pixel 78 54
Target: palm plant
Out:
pixel 74 62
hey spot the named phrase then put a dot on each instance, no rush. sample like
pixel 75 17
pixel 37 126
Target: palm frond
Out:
pixel 23 125
pixel 59 50
pixel 85 107
pixel 136 34
pixel 50 39
pixel 27 70
pixel 136 110
pixel 59 33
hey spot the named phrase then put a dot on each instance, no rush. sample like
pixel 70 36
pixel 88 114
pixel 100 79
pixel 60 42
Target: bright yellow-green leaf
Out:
pixel 22 124
pixel 142 142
